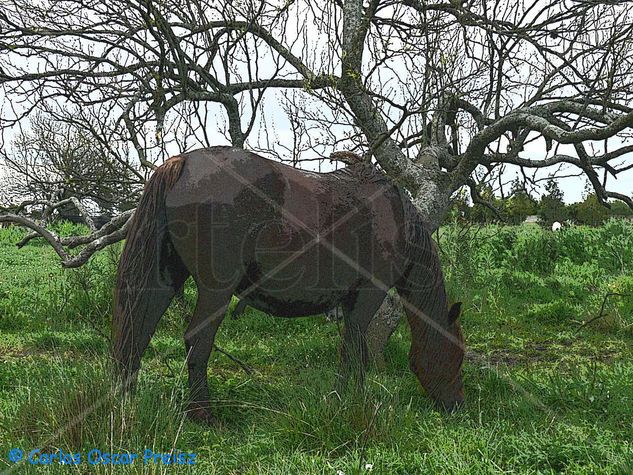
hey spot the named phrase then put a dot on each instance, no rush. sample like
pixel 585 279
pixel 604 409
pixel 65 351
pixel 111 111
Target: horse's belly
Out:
pixel 295 287
pixel 281 305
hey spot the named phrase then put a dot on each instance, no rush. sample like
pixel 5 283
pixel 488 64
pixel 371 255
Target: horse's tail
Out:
pixel 149 272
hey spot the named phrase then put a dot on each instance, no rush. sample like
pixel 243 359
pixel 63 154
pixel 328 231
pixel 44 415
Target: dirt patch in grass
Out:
pixel 543 352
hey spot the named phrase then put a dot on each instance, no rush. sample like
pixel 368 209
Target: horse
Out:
pixel 291 243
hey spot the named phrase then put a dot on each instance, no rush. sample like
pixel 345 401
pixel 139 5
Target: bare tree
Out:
pixel 53 161
pixel 440 93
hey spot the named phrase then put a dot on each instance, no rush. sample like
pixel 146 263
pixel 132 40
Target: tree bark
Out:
pixel 424 178
pixel 383 325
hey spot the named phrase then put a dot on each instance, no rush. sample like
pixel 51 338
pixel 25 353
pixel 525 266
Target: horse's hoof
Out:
pixel 450 406
pixel 201 414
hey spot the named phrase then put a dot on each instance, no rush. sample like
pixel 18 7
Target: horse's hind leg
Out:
pixel 357 314
pixel 210 311
pixel 133 330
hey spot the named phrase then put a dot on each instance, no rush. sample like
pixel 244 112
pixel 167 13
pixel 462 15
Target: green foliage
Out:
pixel 77 297
pixel 563 273
pixel 551 207
pixel 575 281
pixel 577 244
pixel 556 311
pixel 620 209
pixel 589 211
pixel 520 204
pixel 615 248
pixel 67 228
pixel 622 301
pixel 534 250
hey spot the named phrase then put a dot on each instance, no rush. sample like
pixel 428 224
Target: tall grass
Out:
pixel 559 277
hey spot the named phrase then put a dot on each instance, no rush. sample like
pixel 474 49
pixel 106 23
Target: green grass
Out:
pixel 544 394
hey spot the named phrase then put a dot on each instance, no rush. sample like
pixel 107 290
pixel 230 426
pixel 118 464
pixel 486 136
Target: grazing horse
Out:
pixel 291 242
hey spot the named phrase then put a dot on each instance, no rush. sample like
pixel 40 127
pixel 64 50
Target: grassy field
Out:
pixel 545 393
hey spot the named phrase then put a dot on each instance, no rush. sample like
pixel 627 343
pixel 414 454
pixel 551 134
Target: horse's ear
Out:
pixel 453 313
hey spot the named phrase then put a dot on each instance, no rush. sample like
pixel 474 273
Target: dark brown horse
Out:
pixel 292 243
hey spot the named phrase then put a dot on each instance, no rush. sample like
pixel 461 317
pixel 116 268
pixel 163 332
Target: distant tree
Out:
pixel 590 211
pixel 620 210
pixel 53 161
pixel 552 207
pixel 520 205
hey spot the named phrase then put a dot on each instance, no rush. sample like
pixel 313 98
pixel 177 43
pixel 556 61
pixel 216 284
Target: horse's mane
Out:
pixel 422 254
pixel 347 157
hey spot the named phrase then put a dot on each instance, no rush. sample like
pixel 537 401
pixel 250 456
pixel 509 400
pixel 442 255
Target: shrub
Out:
pixel 534 250
pixel 577 244
pixel 526 284
pixel 623 286
pixel 615 248
pixel 576 280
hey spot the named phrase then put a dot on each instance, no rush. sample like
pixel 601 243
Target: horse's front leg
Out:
pixel 210 311
pixel 357 313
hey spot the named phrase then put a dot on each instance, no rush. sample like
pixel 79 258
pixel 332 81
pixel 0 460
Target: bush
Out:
pixel 615 245
pixel 576 280
pixel 577 244
pixel 623 286
pixel 527 285
pixel 535 250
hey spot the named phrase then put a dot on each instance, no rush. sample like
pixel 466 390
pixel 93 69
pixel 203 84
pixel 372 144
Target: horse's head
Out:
pixel 436 356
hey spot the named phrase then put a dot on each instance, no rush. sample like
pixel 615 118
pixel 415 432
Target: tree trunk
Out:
pixel 382 327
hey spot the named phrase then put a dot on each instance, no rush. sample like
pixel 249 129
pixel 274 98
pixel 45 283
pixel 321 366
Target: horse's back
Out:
pixel 217 174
